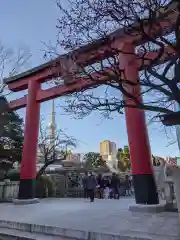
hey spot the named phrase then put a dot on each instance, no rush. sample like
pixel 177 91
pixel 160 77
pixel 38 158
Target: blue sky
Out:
pixel 29 23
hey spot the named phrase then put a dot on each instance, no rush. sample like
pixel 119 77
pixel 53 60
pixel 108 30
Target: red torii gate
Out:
pixel 145 187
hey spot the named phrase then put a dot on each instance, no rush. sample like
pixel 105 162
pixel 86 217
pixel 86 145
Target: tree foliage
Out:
pixel 84 22
pixel 93 160
pixel 11 137
pixel 123 157
pixel 11 125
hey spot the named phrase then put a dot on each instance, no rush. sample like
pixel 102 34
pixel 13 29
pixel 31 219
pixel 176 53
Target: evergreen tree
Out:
pixel 11 134
pixel 123 157
pixel 93 160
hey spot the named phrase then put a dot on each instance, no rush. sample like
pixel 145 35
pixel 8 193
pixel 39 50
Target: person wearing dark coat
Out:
pixel 127 185
pixel 100 186
pixel 91 186
pixel 84 183
pixel 115 185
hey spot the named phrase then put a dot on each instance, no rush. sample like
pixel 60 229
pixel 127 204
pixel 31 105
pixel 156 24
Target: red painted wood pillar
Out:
pixel 28 165
pixel 140 153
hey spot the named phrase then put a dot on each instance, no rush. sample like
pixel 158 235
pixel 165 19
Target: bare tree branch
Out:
pixel 11 63
pixel 53 149
pixel 90 22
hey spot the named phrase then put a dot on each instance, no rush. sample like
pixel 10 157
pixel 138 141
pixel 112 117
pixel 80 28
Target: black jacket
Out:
pixel 115 182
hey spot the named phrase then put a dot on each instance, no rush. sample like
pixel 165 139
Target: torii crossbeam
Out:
pixel 140 154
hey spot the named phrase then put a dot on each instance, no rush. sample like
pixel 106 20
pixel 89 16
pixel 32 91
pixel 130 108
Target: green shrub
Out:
pixel 13 175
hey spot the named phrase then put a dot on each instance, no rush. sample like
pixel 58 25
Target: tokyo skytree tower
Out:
pixel 52 124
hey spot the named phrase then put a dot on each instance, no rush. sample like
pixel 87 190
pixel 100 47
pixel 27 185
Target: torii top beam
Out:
pixel 83 83
pixel 93 52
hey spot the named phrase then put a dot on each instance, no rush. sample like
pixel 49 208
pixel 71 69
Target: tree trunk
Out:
pixel 47 163
pixel 43 168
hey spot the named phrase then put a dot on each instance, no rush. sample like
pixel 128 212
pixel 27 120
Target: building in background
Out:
pixel 108 148
pixel 74 158
pixel 105 148
pixel 108 151
pixel 178 161
pixel 51 138
pixel 113 149
pixel 52 125
pixel 171 161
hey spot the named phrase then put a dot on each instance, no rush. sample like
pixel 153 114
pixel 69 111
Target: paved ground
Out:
pixel 102 216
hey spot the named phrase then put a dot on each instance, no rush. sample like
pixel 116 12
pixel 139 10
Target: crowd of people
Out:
pixel 104 187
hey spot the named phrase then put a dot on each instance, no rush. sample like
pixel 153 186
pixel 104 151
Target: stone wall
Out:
pixel 165 186
pixel 8 191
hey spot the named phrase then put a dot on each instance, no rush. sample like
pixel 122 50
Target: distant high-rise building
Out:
pixel 74 158
pixel 113 149
pixel 108 148
pixel 108 152
pixel 105 148
pixel 51 138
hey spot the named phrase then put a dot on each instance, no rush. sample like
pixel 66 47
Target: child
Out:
pixel 106 188
pixel 106 193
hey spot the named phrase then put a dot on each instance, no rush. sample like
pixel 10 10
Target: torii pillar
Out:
pixel 140 153
pixel 28 164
